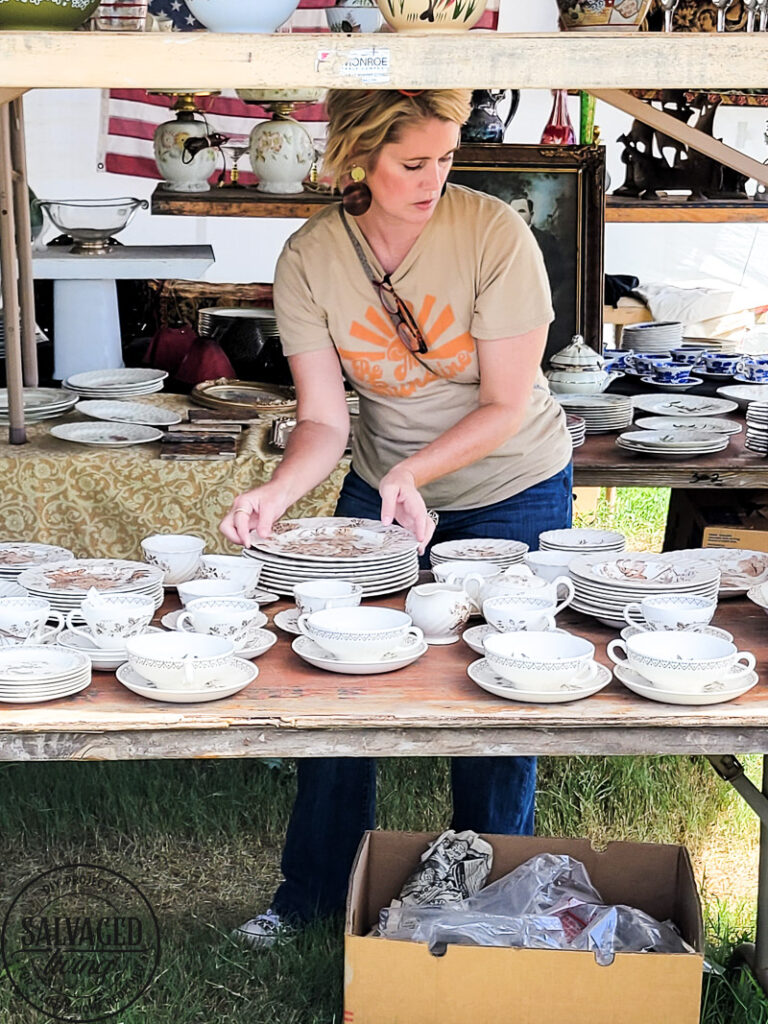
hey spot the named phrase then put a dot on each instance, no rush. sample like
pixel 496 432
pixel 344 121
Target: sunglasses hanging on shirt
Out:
pixel 404 322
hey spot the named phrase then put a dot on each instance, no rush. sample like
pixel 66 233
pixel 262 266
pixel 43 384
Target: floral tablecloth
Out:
pixel 100 502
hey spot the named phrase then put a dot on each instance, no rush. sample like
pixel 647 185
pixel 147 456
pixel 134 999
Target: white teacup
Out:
pixel 23 619
pixel 549 565
pixel 680 661
pixel 194 589
pixel 179 661
pixel 177 554
pixel 236 568
pixel 112 618
pixel 316 595
pixel 440 610
pixel 540 662
pixel 457 570
pixel 234 618
pixel 511 613
pixel 363 634
pixel 673 611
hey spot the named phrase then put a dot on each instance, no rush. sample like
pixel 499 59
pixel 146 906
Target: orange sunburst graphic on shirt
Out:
pixel 388 367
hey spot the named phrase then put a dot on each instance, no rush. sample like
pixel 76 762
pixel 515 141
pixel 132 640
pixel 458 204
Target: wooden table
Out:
pixel 428 708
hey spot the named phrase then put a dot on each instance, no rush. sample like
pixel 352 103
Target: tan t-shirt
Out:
pixel 474 275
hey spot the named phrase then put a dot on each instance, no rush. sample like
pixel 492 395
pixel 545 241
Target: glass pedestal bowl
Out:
pixel 91 222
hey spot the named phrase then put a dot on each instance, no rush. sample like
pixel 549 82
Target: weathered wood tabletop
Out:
pixel 430 707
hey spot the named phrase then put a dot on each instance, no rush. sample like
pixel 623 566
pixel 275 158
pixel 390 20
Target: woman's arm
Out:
pixel 313 450
pixel 508 368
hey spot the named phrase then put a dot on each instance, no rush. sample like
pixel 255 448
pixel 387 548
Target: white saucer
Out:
pixel 288 620
pixel 669 386
pixel 309 651
pixel 474 636
pixel 41 696
pixel 258 642
pixel 715 631
pixel 481 673
pixel 639 684
pixel 239 673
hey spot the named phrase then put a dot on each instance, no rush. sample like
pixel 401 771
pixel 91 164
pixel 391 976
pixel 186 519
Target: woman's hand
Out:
pixel 401 501
pixel 257 510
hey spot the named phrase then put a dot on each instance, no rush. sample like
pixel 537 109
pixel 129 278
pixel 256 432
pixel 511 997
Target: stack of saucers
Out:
pixel 29 675
pixel 658 336
pixel 582 541
pixel 606 584
pixel 756 438
pixel 126 382
pixel 39 404
pixel 209 318
pixel 601 413
pixel 66 584
pixel 577 428
pixel 16 556
pixel 672 444
pixel 486 549
pixel 382 559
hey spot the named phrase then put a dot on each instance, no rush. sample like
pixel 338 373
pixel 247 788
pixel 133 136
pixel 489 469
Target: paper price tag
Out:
pixel 369 65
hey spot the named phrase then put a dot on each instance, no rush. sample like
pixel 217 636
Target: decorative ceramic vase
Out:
pixel 425 15
pixel 354 17
pixel 242 15
pixel 282 152
pixel 592 14
pixel 43 15
pixel 484 123
pixel 182 171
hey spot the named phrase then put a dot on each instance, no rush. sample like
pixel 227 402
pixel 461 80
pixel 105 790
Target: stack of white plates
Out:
pixel 382 559
pixel 582 541
pixel 709 425
pixel 683 405
pixel 29 675
pixel 211 317
pixel 40 404
pixel 577 428
pixel 18 555
pixel 672 444
pixel 657 336
pixel 606 584
pixel 487 549
pixel 756 438
pixel 740 568
pixel 130 412
pixel 127 382
pixel 745 394
pixel 601 413
pixel 66 584
pixel 728 346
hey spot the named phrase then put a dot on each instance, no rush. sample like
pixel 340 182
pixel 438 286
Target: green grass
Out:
pixel 202 839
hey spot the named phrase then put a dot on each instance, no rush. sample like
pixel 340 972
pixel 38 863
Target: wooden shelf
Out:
pixel 243 202
pixel 621 210
pixel 536 60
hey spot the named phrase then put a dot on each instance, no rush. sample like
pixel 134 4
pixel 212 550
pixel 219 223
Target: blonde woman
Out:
pixel 433 301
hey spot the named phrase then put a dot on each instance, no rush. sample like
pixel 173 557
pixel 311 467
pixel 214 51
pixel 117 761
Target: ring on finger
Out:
pixel 240 508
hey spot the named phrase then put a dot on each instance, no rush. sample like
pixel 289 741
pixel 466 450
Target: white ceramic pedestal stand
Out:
pixel 85 316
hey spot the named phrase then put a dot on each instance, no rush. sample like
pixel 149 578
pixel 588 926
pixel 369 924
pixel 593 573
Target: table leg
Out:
pixel 17 433
pixel 754 954
pixel 23 245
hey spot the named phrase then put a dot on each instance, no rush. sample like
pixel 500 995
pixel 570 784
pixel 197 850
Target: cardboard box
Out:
pixel 393 982
pixel 718 519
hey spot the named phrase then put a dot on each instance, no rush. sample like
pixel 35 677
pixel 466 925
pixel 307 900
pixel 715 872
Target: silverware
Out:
pixel 763 8
pixel 722 6
pixel 751 7
pixel 669 7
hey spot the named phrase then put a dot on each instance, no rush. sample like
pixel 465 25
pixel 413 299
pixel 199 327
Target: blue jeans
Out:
pixel 336 798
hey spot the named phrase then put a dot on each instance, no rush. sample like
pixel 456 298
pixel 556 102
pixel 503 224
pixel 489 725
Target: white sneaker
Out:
pixel 261 932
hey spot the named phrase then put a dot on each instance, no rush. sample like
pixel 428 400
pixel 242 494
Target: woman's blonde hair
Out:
pixel 360 122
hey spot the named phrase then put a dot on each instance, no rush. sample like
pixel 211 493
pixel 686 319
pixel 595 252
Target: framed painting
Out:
pixel 559 191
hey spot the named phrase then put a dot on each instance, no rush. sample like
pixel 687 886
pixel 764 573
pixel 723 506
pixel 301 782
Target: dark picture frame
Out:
pixel 561 191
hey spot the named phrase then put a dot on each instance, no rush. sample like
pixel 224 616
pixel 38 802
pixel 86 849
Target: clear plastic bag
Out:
pixel 548 902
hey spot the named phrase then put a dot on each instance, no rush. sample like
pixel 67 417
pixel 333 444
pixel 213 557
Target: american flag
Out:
pixel 130 116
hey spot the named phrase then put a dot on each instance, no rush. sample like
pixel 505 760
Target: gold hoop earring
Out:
pixel 356 197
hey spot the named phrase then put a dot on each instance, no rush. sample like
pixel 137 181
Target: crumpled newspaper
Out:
pixel 453 868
